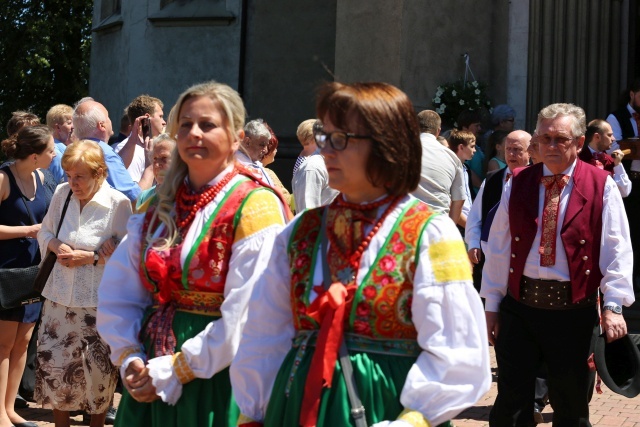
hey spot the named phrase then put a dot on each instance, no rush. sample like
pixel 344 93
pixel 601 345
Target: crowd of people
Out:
pixel 182 273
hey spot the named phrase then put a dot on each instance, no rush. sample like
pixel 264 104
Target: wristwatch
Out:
pixel 96 258
pixel 615 308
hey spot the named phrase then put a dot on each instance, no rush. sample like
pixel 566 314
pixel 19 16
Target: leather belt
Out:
pixel 634 175
pixel 551 295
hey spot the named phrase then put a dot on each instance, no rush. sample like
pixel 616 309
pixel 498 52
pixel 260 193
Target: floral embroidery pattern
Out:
pixel 389 286
pixel 161 271
pixel 381 307
pixel 301 252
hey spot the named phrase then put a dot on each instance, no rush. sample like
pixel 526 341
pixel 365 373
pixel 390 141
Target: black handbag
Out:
pixel 22 286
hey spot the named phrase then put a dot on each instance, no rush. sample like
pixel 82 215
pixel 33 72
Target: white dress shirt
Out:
pixel 617 133
pixel 137 166
pixel 473 230
pixel 619 177
pixel 616 257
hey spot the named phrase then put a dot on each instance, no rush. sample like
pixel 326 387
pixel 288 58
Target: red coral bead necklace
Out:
pixel 348 274
pixel 188 202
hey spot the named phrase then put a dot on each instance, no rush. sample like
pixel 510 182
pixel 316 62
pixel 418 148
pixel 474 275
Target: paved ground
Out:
pixel 607 409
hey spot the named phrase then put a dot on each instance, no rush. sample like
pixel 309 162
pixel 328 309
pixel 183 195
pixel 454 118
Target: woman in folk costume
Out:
pixel 173 299
pixel 399 289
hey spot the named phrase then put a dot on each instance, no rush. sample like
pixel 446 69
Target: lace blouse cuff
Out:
pixel 165 379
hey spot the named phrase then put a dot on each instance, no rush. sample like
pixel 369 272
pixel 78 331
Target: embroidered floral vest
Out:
pixel 207 263
pixel 381 307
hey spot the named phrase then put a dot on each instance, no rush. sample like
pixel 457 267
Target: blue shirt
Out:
pixel 118 177
pixel 56 167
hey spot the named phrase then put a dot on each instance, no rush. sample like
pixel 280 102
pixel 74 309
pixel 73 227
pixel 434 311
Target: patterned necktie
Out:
pixel 636 117
pixel 598 159
pixel 507 177
pixel 553 187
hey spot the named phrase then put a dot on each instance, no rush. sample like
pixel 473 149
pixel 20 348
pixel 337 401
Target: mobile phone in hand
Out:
pixel 146 128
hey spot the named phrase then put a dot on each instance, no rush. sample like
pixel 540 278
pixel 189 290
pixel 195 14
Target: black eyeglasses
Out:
pixel 337 140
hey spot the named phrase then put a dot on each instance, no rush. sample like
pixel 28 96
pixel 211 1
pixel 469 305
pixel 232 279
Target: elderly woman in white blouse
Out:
pixel 73 367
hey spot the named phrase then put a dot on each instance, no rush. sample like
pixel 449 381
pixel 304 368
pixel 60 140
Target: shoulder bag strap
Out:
pixel 357 409
pixel 64 211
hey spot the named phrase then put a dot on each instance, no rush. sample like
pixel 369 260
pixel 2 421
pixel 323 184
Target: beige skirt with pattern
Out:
pixel 73 370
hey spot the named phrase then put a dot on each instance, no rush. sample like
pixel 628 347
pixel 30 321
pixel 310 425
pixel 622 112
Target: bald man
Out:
pixel 480 216
pixel 91 121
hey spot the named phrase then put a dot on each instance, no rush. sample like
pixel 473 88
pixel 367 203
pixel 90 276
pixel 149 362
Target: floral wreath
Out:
pixel 453 98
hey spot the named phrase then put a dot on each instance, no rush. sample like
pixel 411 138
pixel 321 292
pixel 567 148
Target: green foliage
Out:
pixel 453 98
pixel 44 54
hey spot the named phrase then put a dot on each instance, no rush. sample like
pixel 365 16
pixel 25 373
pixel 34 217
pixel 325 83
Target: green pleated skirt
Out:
pixel 379 379
pixel 204 402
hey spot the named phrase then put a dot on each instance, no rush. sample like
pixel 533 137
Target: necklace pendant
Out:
pixel 346 275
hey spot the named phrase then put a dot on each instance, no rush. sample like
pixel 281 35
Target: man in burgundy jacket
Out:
pixel 560 233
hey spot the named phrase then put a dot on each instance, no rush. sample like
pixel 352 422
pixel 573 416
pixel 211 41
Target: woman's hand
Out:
pixel 138 382
pixel 107 247
pixel 32 231
pixel 59 248
pixel 75 258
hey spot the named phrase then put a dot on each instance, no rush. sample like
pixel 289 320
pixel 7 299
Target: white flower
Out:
pixel 454 93
pixel 461 102
pixel 477 101
pixel 474 83
pixel 439 92
pixel 477 92
pixel 437 99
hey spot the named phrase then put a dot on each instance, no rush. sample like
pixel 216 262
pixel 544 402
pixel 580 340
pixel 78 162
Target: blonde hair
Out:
pixel 88 153
pixel 58 114
pixel 305 132
pixel 233 112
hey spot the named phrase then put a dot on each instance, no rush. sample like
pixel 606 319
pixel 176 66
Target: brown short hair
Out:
pixel 141 105
pixel 460 137
pixel 388 116
pixel 88 153
pixel 20 119
pixel 468 117
pixel 27 141
pixel 430 121
pixel 594 126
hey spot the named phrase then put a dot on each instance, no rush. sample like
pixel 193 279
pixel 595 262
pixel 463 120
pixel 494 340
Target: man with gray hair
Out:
pixel 441 178
pixel 91 121
pixel 253 148
pixel 559 235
